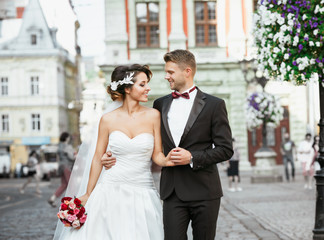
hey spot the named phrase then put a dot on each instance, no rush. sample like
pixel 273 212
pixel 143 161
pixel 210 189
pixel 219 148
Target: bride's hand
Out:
pixel 84 199
pixel 168 162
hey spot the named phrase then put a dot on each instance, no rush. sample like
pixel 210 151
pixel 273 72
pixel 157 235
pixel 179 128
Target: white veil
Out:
pixel 80 174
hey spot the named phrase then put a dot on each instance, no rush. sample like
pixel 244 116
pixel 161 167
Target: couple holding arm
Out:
pixel 189 126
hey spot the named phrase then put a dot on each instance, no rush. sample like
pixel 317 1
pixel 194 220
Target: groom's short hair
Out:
pixel 183 58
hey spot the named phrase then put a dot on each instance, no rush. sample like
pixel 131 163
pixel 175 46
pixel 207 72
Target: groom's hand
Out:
pixel 107 160
pixel 180 156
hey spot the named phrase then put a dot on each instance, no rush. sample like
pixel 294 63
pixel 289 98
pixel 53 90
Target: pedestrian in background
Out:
pixel 18 169
pixel 32 173
pixel 305 155
pixel 288 151
pixel 66 158
pixel 315 147
pixel 233 169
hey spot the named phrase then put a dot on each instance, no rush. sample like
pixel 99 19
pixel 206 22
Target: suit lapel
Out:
pixel 197 107
pixel 165 109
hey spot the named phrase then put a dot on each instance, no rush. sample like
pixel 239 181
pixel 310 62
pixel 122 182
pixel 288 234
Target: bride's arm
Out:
pixel 96 166
pixel 158 155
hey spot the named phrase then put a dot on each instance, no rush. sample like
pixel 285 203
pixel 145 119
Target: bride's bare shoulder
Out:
pixel 153 113
pixel 110 116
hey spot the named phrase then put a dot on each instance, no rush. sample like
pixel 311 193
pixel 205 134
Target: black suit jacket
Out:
pixel 207 126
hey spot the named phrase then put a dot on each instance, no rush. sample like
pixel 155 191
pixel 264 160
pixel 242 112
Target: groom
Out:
pixel 194 126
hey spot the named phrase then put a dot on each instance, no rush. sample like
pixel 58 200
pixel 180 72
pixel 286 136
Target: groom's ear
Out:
pixel 188 71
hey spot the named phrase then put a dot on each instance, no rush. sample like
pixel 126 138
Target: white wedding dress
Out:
pixel 125 204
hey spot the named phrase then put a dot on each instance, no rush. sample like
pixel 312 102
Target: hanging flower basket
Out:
pixel 263 107
pixel 289 39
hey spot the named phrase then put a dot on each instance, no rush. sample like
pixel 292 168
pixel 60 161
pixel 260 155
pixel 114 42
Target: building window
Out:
pixel 4 86
pixel 206 23
pixel 147 20
pixel 36 122
pixel 33 39
pixel 271 137
pixel 255 5
pixel 34 85
pixel 254 137
pixel 5 123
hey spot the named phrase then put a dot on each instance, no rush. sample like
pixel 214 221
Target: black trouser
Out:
pixel 177 215
pixel 287 160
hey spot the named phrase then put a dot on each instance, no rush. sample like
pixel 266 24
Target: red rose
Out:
pixel 71 212
pixel 77 201
pixel 64 207
pixel 82 210
pixel 79 215
pixel 65 198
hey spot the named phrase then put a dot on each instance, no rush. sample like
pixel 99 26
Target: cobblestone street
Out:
pixel 261 211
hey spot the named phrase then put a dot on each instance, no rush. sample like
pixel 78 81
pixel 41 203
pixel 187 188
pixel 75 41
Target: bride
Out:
pixel 122 203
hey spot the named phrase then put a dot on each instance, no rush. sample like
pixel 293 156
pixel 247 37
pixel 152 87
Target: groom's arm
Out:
pixel 222 140
pixel 107 160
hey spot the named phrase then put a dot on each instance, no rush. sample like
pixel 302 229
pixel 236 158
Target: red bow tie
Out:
pixel 184 95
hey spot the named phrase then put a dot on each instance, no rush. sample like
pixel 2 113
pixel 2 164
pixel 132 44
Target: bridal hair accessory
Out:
pixel 126 80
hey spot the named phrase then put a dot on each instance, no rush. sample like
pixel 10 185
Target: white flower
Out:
pixel 314 77
pixel 281 20
pixel 311 43
pixel 312 61
pixel 315 32
pixel 296 40
pixel 304 16
pixel 127 80
pixel 286 56
pixel 318 44
pixel 276 50
pixel 321 9
pixel 316 9
pixel 290 22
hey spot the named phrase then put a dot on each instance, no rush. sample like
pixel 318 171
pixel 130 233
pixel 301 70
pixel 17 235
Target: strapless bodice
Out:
pixel 133 159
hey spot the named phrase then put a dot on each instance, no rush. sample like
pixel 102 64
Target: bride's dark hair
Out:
pixel 122 71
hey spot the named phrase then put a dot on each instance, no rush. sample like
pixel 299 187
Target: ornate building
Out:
pixel 219 33
pixel 40 89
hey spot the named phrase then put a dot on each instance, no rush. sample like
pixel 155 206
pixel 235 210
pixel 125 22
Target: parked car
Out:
pixel 48 161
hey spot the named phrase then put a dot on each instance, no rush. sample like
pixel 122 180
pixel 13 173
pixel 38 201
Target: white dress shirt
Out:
pixel 179 113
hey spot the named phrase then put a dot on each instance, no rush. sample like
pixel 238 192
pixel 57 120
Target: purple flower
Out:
pixel 315 24
pixel 306 38
pixel 298 25
pixel 294 63
pixel 305 25
pixel 318 60
pixel 283 15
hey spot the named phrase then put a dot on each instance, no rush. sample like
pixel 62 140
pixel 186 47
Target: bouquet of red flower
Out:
pixel 72 213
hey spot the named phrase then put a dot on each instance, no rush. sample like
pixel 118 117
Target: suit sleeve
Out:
pixel 222 139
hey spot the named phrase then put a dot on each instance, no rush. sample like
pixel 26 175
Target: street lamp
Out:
pixel 252 74
pixel 319 176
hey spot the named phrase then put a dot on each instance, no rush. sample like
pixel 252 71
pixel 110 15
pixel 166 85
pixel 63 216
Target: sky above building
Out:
pixel 91 34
